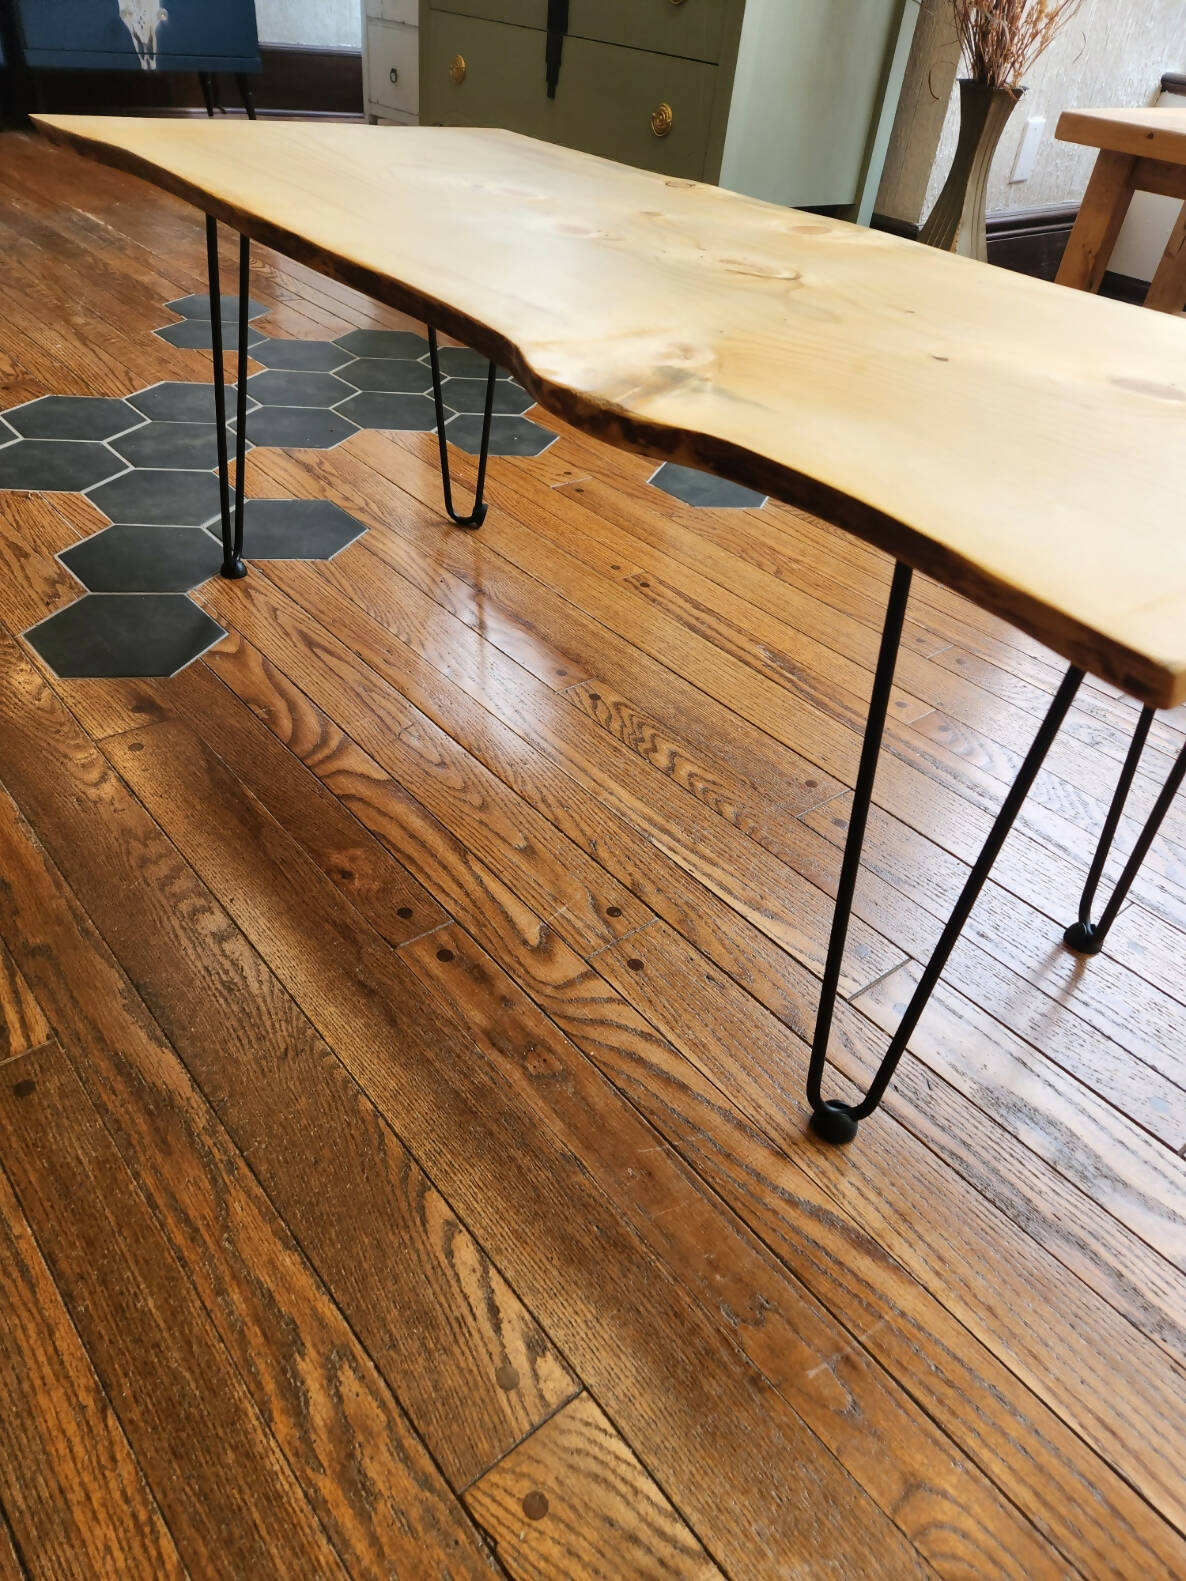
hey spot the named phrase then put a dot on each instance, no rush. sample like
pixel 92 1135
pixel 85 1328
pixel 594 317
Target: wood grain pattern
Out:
pixel 444 1328
pixel 70 1487
pixel 352 992
pixel 734 398
pixel 22 1023
pixel 572 1500
pixel 1156 132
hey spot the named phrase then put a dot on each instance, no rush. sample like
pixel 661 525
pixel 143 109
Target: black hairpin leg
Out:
pixel 478 515
pixel 243 83
pixel 1087 937
pixel 837 1122
pixel 232 533
pixel 210 93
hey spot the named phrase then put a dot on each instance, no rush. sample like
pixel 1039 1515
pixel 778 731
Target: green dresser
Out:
pixel 785 99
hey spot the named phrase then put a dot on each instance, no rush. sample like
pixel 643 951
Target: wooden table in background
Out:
pixel 1139 151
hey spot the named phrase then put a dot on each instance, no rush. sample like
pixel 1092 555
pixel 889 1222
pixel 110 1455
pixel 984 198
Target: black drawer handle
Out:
pixel 393 76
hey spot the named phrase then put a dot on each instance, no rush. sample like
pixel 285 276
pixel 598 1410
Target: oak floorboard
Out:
pixel 71 1490
pixel 440 1323
pixel 955 1519
pixel 123 1096
pixel 1098 1375
pixel 572 1500
pixel 350 987
pixel 550 973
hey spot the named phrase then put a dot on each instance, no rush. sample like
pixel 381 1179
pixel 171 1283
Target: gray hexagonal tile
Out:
pixel 383 343
pixel 159 498
pixel 125 634
pixel 469 395
pixel 144 559
pixel 7 434
pixel 372 409
pixel 277 387
pixel 298 428
pixel 198 306
pixel 56 465
pixel 72 417
pixel 296 529
pixel 701 488
pixel 462 363
pixel 509 436
pixel 303 356
pixel 396 377
pixel 179 402
pixel 193 334
pixel 173 445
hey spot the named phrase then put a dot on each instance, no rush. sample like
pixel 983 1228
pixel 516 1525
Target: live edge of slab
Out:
pixel 1021 443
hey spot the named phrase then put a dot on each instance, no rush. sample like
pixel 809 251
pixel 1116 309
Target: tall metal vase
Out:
pixel 956 222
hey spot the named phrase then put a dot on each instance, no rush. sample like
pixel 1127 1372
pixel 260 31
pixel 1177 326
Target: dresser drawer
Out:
pixel 690 28
pixel 395 11
pixel 604 105
pixel 393 65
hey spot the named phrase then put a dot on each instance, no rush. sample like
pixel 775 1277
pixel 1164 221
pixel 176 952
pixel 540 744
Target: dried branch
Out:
pixel 1002 39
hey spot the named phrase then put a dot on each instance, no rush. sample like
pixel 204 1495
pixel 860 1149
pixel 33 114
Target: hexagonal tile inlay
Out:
pixel 701 488
pixel 172 445
pixel 389 374
pixel 469 395
pixel 144 560
pixel 373 409
pixel 73 417
pixel 303 356
pixel 280 387
pixel 463 363
pixel 298 427
pixel 296 529
pixel 194 334
pixel 179 402
pixel 56 466
pixel 383 343
pixel 124 634
pixel 198 306
pixel 159 498
pixel 509 436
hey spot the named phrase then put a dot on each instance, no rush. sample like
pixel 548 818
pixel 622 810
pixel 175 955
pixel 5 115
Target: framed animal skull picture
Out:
pixel 140 35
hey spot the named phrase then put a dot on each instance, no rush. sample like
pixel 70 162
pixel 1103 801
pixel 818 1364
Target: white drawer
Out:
pixel 393 65
pixel 395 11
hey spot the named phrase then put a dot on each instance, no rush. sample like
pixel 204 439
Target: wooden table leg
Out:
pixel 1105 206
pixel 1168 292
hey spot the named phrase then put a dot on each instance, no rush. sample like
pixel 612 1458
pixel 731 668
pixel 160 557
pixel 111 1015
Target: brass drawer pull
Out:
pixel 457 68
pixel 662 120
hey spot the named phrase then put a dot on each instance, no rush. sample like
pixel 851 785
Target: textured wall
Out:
pixel 1112 54
pixel 326 24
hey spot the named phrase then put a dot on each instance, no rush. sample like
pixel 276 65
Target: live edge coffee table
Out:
pixel 1023 445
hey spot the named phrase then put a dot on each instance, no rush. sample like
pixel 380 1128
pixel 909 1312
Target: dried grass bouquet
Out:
pixel 1002 39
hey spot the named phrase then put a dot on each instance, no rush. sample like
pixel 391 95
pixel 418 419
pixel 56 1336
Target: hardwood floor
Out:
pixel 402 1018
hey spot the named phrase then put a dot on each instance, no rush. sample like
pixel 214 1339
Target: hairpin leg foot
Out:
pixel 1086 937
pixel 478 515
pixel 837 1122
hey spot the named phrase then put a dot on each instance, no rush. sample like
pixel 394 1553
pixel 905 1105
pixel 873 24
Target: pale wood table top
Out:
pixel 1023 444
pixel 1157 133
